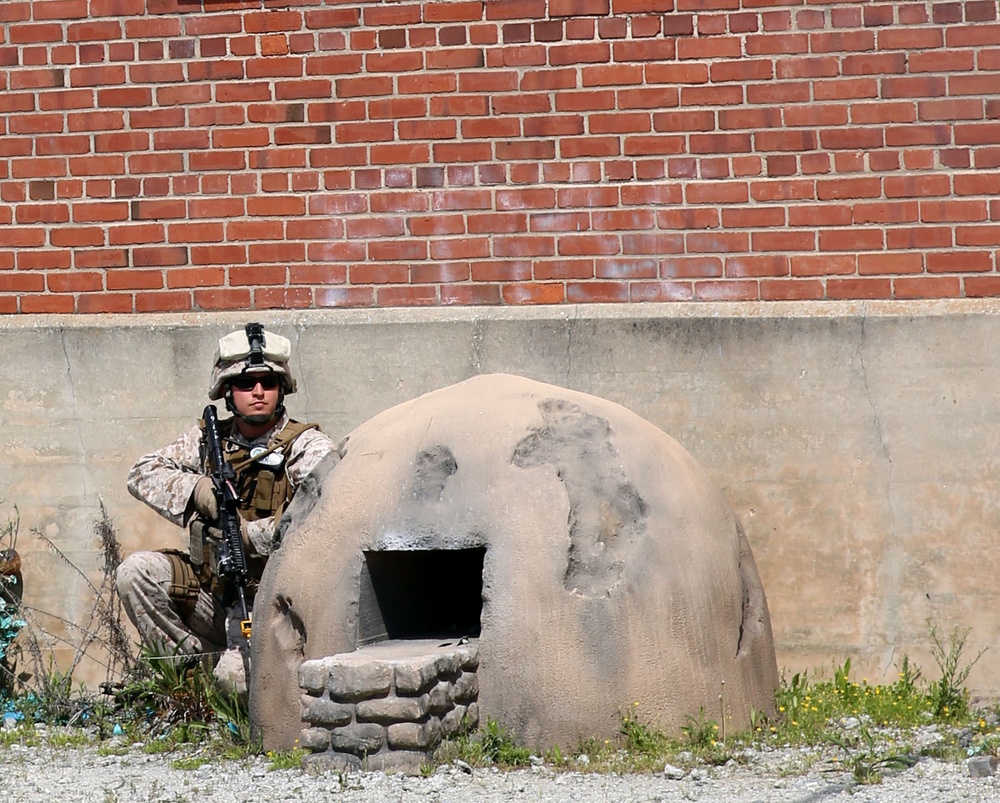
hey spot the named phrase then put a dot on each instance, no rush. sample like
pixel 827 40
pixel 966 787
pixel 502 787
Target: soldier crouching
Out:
pixel 178 601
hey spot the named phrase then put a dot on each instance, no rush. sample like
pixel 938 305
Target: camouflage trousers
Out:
pixel 143 582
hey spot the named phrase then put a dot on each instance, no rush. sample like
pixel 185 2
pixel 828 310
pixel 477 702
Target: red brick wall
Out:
pixel 175 155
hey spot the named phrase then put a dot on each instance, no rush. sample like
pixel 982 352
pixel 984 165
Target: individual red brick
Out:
pixel 980 11
pixel 74 282
pixel 747 267
pixel 717 192
pixel 728 290
pixel 888 264
pixel 783 190
pixel 791 290
pixel 77 237
pixel 282 298
pixel 534 293
pixel 406 296
pixel 660 291
pixel 470 294
pixel 921 237
pixel 549 269
pixel 886 212
pixel 613 28
pixel 595 292
pixel 42 304
pixel 222 299
pixel 950 211
pixel 914 87
pixel 135 280
pixel 589 100
pixel 776 44
pixel 344 296
pixel 440 273
pixel 833 189
pixel 837 288
pixel 578 8
pixel 159 256
pixel 777 92
pixel 766 117
pixel 959 262
pixel 977 235
pixel 95 303
pixel 625 268
pixel 753 217
pixel 981 286
pixel 742 70
pixel 258 273
pixel 32 214
pixel 829 264
pixel 782 165
pixel 917 186
pixel 272 256
pixel 717 242
pixel 317 274
pixel 927 287
pixel 20 282
pixel 43 260
pixel 959 158
pixel 978 35
pixel 338 251
pixel 976 184
pixel 854 239
pixel 690 267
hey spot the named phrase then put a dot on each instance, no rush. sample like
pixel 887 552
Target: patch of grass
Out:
pixel 866 759
pixel 491 745
pixel 68 737
pixel 843 724
pixel 190 762
pixel 639 737
pixel 285 759
pixel 23 734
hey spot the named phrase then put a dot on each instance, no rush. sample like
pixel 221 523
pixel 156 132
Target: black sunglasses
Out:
pixel 250 381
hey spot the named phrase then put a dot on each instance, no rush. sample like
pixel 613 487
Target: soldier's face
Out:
pixel 256 394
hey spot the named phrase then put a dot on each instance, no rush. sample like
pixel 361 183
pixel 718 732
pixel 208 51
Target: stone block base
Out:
pixel 387 706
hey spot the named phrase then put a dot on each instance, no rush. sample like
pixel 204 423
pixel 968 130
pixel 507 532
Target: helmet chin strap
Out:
pixel 256 420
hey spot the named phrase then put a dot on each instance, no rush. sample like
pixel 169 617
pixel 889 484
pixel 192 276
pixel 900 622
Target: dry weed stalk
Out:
pixel 99 636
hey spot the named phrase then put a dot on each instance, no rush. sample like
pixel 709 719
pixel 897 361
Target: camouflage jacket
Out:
pixel 165 479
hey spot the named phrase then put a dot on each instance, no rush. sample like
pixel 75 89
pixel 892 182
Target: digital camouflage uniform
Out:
pixel 165 480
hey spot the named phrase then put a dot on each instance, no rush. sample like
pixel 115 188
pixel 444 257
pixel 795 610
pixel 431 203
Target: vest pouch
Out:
pixel 264 491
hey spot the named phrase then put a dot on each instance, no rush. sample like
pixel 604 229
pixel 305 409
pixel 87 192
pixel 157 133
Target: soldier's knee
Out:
pixel 140 568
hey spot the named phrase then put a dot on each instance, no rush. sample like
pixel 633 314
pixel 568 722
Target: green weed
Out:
pixel 699 732
pixel 948 697
pixel 491 745
pixel 285 759
pixel 866 759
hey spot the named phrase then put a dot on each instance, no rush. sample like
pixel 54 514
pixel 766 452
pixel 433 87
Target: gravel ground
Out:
pixel 69 774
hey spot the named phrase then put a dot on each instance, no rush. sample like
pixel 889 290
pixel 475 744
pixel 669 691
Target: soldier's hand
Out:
pixel 203 498
pixel 215 534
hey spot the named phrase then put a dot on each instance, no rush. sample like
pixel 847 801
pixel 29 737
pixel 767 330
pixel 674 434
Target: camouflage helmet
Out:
pixel 251 350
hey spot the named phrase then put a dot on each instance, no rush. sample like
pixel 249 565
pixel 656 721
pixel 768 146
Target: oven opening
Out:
pixel 420 594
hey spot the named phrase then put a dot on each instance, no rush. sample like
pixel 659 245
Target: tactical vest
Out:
pixel 263 490
pixel 261 484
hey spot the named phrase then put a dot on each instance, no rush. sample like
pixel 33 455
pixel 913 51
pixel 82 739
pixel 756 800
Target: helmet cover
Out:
pixel 236 355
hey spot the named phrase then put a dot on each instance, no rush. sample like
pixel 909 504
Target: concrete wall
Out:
pixel 858 442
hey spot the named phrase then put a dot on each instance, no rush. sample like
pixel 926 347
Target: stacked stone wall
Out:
pixel 387 706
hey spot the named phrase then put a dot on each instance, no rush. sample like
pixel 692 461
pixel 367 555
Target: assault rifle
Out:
pixel 232 557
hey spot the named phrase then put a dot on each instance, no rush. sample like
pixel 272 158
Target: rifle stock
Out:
pixel 232 556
